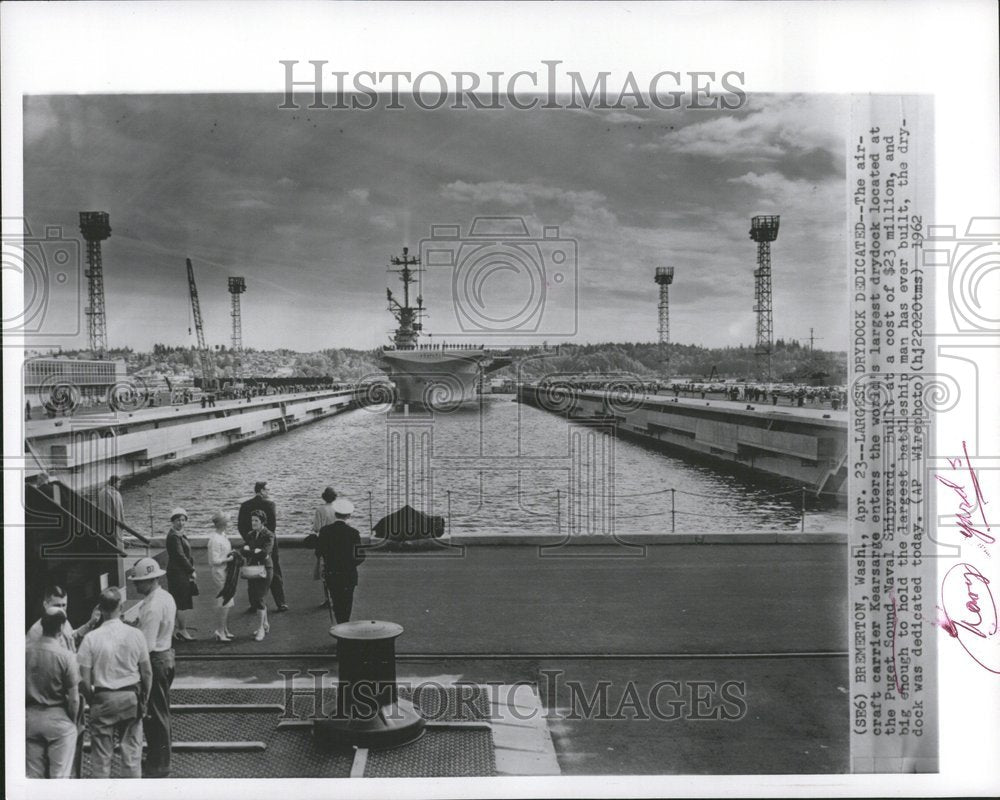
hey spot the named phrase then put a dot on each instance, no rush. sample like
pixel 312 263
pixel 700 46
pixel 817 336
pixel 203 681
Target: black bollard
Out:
pixel 369 711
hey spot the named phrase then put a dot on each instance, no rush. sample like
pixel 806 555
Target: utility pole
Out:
pixel 812 340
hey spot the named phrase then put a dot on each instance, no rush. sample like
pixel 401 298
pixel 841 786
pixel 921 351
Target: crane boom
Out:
pixel 204 354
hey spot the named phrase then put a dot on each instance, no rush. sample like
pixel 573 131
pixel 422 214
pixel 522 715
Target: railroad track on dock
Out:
pixel 420 657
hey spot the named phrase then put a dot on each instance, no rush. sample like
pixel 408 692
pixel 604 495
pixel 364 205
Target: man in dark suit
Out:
pixel 339 546
pixel 261 500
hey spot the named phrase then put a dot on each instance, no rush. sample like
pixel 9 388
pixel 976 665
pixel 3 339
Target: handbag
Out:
pixel 195 591
pixel 253 571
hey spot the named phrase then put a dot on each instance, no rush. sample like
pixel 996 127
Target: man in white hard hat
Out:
pixel 339 547
pixel 154 615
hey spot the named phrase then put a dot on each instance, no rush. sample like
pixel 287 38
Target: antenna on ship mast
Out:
pixel 408 316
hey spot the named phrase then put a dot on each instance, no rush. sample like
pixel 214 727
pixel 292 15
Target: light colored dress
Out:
pixel 218 548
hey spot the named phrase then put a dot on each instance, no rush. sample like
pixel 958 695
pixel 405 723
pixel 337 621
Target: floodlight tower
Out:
pixel 764 230
pixel 95 227
pixel 664 277
pixel 236 287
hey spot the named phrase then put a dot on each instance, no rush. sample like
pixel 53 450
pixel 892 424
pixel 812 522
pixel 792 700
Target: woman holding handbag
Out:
pixel 259 569
pixel 180 572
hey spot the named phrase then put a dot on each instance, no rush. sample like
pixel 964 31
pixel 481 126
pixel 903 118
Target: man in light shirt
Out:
pixel 117 677
pixel 154 616
pixel 56 600
pixel 52 697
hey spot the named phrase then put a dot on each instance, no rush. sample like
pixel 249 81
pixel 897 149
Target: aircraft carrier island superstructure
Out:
pixel 438 376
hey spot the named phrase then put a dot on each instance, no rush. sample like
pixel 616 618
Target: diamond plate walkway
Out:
pixel 247 731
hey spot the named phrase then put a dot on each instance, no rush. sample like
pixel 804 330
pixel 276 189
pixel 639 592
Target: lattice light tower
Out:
pixel 95 227
pixel 764 230
pixel 236 287
pixel 664 277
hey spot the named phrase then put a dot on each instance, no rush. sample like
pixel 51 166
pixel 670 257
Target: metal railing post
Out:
pixel 673 510
pixel 149 498
pixel 802 527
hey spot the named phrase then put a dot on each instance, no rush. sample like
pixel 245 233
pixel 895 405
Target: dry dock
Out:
pixel 801 445
pixel 85 450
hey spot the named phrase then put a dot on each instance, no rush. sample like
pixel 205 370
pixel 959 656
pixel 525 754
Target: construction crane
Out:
pixel 205 358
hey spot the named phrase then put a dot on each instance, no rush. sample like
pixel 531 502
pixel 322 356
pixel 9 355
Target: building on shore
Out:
pixel 91 378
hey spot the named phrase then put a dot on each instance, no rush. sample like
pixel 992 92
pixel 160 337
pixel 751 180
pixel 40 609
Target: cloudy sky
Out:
pixel 309 205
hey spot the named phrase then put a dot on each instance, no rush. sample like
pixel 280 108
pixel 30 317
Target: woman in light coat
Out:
pixel 220 553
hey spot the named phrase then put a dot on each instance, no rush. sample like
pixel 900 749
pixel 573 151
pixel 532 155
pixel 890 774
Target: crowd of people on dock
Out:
pixel 66 400
pixel 834 397
pixel 791 394
pixel 112 675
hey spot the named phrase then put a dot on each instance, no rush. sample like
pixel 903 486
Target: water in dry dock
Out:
pixel 504 467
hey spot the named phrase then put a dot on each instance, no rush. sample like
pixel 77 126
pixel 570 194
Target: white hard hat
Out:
pixel 145 569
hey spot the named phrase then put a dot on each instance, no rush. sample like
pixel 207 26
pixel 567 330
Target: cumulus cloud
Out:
pixel 808 128
pixel 518 194
pixel 359 195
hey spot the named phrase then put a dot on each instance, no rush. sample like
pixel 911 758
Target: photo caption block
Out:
pixel 892 567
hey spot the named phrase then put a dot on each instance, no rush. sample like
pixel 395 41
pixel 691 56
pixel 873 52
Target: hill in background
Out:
pixel 790 362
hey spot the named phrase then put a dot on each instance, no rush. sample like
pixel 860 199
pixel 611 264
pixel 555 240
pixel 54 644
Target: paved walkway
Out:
pixel 676 599
pixel 765 621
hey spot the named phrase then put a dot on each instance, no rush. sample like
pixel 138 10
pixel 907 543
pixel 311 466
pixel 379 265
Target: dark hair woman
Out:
pixel 260 543
pixel 180 572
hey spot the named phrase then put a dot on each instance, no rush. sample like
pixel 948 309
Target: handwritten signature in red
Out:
pixel 974 626
pixel 968 610
pixel 967 506
pixel 979 604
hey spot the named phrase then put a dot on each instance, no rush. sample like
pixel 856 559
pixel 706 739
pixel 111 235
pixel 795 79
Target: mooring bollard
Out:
pixel 369 711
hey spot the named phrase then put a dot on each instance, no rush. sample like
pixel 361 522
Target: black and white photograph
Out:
pixel 529 418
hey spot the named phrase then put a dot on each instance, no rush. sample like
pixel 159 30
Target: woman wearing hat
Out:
pixel 258 547
pixel 180 572
pixel 220 553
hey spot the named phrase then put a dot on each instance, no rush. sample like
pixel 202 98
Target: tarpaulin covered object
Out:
pixel 408 524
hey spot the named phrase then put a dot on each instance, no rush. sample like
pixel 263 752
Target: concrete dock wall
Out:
pixel 84 451
pixel 804 446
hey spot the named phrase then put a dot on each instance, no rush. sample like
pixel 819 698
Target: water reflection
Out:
pixel 500 467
